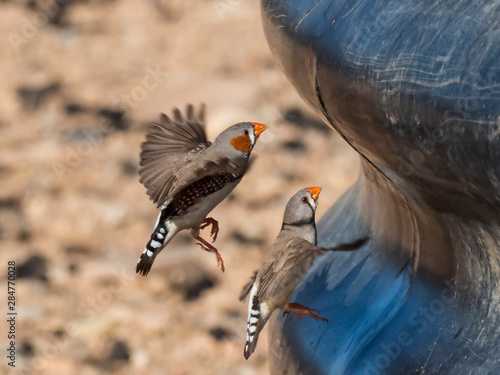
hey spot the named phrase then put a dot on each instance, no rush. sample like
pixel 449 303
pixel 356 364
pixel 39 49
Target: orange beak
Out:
pixel 314 192
pixel 258 128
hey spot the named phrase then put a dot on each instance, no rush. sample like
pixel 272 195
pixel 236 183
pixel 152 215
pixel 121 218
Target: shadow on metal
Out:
pixel 414 87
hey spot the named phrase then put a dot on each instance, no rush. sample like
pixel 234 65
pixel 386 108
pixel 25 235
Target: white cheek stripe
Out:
pixel 312 202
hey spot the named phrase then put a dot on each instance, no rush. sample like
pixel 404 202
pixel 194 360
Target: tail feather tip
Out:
pixel 246 352
pixel 144 265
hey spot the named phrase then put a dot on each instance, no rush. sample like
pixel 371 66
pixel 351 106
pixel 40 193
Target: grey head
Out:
pixel 299 217
pixel 238 140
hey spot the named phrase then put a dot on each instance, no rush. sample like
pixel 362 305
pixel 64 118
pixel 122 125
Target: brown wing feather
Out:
pixel 295 261
pixel 248 286
pixel 288 269
pixel 349 246
pixel 169 144
pixel 213 163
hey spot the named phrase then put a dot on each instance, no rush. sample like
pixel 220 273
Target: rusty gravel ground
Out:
pixel 78 89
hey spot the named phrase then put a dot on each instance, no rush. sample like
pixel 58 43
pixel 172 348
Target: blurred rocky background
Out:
pixel 80 80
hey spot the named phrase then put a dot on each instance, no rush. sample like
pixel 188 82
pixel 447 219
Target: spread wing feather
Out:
pixel 170 144
pixel 292 267
pixel 287 270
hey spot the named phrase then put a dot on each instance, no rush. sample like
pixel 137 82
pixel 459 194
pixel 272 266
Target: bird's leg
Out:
pixel 215 227
pixel 302 311
pixel 207 247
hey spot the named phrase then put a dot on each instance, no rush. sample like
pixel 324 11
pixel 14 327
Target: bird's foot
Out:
pixel 207 247
pixel 302 311
pixel 215 227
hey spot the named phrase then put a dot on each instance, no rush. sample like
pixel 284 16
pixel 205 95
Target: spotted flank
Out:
pixel 254 324
pixel 178 206
pixel 204 187
pixel 154 246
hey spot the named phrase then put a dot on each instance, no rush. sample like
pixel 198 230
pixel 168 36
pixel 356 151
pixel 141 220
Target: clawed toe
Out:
pixel 220 262
pixel 311 315
pixel 215 227
pixel 214 233
pixel 207 247
pixel 314 316
pixel 302 311
pixel 203 247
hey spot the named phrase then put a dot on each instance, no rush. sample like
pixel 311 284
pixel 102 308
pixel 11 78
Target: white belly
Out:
pixel 196 214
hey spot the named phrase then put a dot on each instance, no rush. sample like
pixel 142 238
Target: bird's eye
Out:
pixel 304 200
pixel 245 132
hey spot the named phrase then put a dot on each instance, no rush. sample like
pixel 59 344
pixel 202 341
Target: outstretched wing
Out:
pixel 348 246
pixel 291 268
pixel 170 144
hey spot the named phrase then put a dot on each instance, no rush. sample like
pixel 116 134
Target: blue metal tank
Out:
pixel 414 87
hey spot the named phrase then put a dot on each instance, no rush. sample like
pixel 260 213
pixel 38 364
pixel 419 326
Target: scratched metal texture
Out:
pixel 414 87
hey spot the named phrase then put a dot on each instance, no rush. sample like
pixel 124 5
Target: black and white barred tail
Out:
pixel 159 238
pixel 254 324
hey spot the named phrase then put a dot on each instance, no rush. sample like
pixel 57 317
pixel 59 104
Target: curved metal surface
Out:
pixel 414 87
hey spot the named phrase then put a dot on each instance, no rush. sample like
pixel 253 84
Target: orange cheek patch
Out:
pixel 241 143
